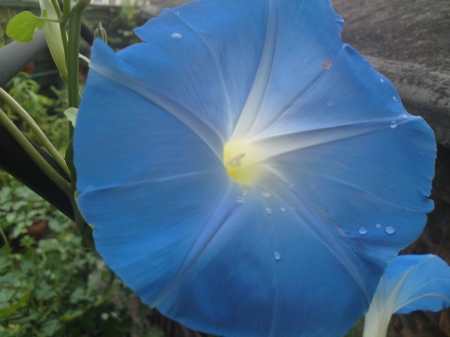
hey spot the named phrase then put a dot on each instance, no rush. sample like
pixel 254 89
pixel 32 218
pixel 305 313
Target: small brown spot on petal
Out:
pixel 326 64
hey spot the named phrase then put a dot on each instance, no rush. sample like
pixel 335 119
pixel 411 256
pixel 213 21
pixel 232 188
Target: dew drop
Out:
pixel 404 116
pixel 269 210
pixel 266 194
pixel 393 124
pixel 176 36
pixel 240 200
pixel 394 98
pixel 389 229
pixel 363 230
pixel 277 256
pixel 381 80
pixel 378 225
pixel 244 193
pixel 282 209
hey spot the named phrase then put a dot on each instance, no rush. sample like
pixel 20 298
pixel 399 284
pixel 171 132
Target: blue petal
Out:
pixel 410 282
pixel 337 153
pixel 427 286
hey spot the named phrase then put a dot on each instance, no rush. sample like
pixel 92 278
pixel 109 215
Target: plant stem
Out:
pixel 73 51
pixel 36 129
pixel 57 9
pixel 74 101
pixel 35 155
pixel 4 236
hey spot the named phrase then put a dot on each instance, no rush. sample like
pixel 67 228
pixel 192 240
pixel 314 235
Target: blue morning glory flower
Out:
pixel 411 282
pixel 247 173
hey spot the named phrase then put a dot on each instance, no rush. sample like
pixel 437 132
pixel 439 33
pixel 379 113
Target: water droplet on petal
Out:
pixel 244 193
pixel 389 229
pixel 176 36
pixel 282 209
pixel 378 225
pixel 393 124
pixel 404 116
pixel 277 256
pixel 240 200
pixel 266 194
pixel 394 98
pixel 363 230
pixel 381 80
pixel 269 210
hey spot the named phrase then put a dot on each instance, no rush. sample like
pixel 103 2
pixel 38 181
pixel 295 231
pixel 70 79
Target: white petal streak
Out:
pixel 203 129
pixel 257 94
pixel 217 64
pixel 323 233
pixel 275 145
pixel 213 224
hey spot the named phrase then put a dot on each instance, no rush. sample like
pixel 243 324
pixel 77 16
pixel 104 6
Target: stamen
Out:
pixel 234 161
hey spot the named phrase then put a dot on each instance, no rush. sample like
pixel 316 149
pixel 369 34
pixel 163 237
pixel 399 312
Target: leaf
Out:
pixel 51 326
pixel 23 26
pixel 14 307
pixel 55 225
pixel 49 244
pixel 10 217
pixel 78 295
pixel 70 315
pixel 71 114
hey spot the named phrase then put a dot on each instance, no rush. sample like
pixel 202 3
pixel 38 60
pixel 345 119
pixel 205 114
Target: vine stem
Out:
pixel 36 129
pixel 73 51
pixel 73 64
pixel 4 236
pixel 35 155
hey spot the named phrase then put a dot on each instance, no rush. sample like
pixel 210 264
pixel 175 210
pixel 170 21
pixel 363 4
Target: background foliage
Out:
pixel 49 285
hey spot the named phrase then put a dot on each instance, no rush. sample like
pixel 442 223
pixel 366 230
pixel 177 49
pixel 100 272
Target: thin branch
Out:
pixel 36 129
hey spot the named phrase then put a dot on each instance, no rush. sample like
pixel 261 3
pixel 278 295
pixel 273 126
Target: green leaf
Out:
pixel 71 115
pixel 10 217
pixel 11 309
pixel 51 326
pixel 48 245
pixel 23 26
pixel 70 315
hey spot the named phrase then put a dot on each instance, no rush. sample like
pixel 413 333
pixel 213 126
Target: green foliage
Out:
pixel 50 285
pixel 5 16
pixel 120 29
pixel 23 26
pixel 47 112
pixel 357 329
pixel 53 287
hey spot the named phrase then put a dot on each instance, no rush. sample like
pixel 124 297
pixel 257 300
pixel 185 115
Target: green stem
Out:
pixel 4 236
pixel 66 10
pixel 35 155
pixel 74 101
pixel 52 20
pixel 83 228
pixel 73 51
pixel 36 129
pixel 57 9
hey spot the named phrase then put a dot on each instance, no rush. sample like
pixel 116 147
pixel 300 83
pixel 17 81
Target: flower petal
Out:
pixel 410 282
pixel 236 259
pixel 126 174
